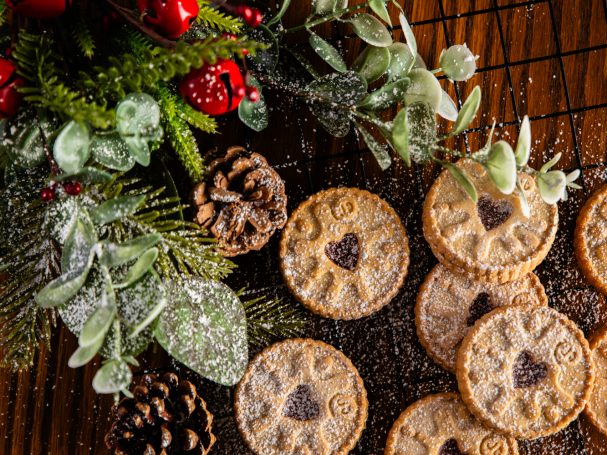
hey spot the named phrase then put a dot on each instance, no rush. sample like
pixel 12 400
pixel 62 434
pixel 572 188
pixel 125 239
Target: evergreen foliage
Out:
pixel 211 17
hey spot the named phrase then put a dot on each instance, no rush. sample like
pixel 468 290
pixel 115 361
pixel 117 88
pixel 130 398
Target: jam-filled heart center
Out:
pixel 526 372
pixel 480 306
pixel 301 404
pixel 345 252
pixel 493 213
pixel 450 447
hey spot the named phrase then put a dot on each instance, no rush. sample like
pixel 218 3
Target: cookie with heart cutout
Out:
pixel 301 396
pixel 440 424
pixel 344 253
pixel 596 409
pixel 525 371
pixel 449 304
pixel 491 240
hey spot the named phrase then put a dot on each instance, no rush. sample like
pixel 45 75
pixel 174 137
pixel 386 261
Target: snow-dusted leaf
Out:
pixel 77 253
pixel 371 30
pixel 409 36
pixel 141 267
pixel 113 377
pixel 422 131
pixel 523 145
pixel 447 108
pixel 138 122
pixel 153 313
pixel 111 151
pixel 401 61
pixel 547 166
pixel 387 95
pixel 204 327
pixel 84 354
pixel 501 167
pixel 467 112
pixel 424 88
pixel 117 254
pixel 458 63
pixel 254 114
pixel 327 52
pixel 380 151
pixel 61 289
pixel 322 7
pixel 379 8
pixel 27 146
pixel 372 63
pixel 71 147
pixel 60 218
pixel 464 181
pixel 552 186
pixel 98 324
pixel 400 136
pixel 115 209
pixel 87 174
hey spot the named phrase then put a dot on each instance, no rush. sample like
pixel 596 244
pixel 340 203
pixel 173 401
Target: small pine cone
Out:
pixel 242 203
pixel 165 417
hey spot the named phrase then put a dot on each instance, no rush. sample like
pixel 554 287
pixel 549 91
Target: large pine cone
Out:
pixel 242 203
pixel 165 417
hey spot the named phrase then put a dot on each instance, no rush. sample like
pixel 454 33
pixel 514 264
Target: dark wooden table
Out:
pixel 545 58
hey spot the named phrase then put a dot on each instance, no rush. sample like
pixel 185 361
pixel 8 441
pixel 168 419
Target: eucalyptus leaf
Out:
pixel 322 7
pixel 523 198
pixel 401 61
pixel 84 354
pixel 97 325
pixel 78 250
pixel 552 186
pixel 424 88
pixel 254 114
pixel 386 96
pixel 447 108
pixel 112 151
pixel 118 254
pixel 71 147
pixel 113 377
pixel 461 177
pixel 26 147
pixel 422 132
pixel 60 217
pixel 61 289
pixel 458 63
pixel 409 36
pixel 547 166
pixel 380 151
pixel 372 63
pixel 115 209
pixel 501 166
pixel 284 6
pixel 138 122
pixel 327 52
pixel 523 145
pixel 572 177
pixel 467 112
pixel 205 329
pixel 87 174
pixel 371 30
pixel 400 136
pixel 379 8
pixel 141 267
pixel 150 317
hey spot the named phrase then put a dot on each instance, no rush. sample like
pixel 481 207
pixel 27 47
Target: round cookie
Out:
pixel 449 304
pixel 344 253
pixel 596 408
pixel 440 424
pixel 591 239
pixel 491 240
pixel 301 396
pixel 525 371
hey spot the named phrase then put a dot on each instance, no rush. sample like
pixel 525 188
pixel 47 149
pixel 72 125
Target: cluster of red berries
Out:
pixel 72 188
pixel 251 16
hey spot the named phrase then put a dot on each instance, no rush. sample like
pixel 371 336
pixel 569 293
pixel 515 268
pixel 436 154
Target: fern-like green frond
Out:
pixel 195 118
pixel 211 17
pixel 83 38
pixel 3 13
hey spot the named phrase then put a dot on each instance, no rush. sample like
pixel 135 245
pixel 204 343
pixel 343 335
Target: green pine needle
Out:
pixel 213 18
pixel 83 38
pixel 3 13
pixel 195 118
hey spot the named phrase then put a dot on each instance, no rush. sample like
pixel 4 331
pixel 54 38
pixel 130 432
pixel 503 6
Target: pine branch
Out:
pixel 213 18
pixel 3 13
pixel 195 118
pixel 83 38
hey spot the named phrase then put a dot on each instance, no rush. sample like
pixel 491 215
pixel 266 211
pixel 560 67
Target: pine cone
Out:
pixel 242 203
pixel 166 416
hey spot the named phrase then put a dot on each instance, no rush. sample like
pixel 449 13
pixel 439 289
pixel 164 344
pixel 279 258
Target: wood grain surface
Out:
pixel 545 58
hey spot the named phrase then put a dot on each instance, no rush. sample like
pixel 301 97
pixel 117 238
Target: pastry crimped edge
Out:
pixel 349 314
pixel 461 372
pixel 351 442
pixel 595 341
pixel 581 251
pixel 496 274
pixel 393 434
pixel 426 344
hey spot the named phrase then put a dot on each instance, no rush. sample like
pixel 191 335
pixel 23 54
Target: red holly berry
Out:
pixel 251 16
pixel 10 98
pixel 252 94
pixel 39 9
pixel 72 188
pixel 170 18
pixel 47 194
pixel 214 89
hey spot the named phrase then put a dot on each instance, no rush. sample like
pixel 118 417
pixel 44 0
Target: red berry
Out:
pixel 72 188
pixel 240 91
pixel 253 94
pixel 252 16
pixel 47 194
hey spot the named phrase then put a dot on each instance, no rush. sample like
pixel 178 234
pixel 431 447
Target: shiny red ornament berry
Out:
pixel 10 98
pixel 170 18
pixel 214 89
pixel 251 16
pixel 72 188
pixel 47 194
pixel 39 9
pixel 252 94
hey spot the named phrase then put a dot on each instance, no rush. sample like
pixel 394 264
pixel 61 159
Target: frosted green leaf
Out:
pixel 387 95
pixel 572 177
pixel 61 289
pixel 458 63
pixel 424 88
pixel 523 145
pixel 141 267
pixel 409 36
pixel 87 174
pixel 27 146
pixel 254 115
pixel 371 30
pixel 552 186
pixel 327 52
pixel 151 316
pixel 372 63
pixel 115 209
pixel 138 122
pixel 71 148
pixel 97 325
pixel 60 218
pixel 84 355
pixel 501 166
pixel 204 327
pixel 118 254
pixel 379 8
pixel 113 377
pixel 555 159
pixel 467 112
pixel 322 7
pixel 111 151
pixel 401 61
pixel 464 181
pixel 422 131
pixel 400 136
pixel 380 151
pixel 447 108
pixel 77 253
